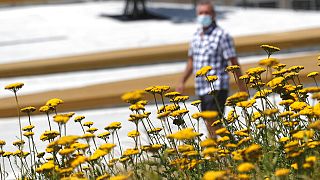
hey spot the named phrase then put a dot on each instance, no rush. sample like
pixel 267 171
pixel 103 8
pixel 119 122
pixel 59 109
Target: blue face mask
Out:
pixel 204 20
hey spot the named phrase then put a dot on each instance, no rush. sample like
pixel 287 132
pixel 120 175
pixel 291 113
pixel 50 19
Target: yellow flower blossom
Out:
pixel 245 167
pixel 132 97
pixel 313 74
pixel 113 126
pixel 223 139
pixel 203 71
pixel 211 78
pixel 54 102
pixel 196 102
pixel 133 134
pixel 67 140
pixel 14 86
pixel 269 49
pixel 256 71
pixel 28 128
pixel 184 134
pixel 275 82
pixel 79 118
pixel 214 175
pixel 66 151
pixel 103 177
pixel 172 94
pixel 28 109
pixel 222 131
pixel 284 139
pixel 208 143
pixel 157 89
pixel 130 152
pixel 97 154
pixel 302 134
pixel 209 114
pixel 282 172
pixel 269 62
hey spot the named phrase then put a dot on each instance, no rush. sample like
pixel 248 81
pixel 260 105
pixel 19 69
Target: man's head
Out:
pixel 205 13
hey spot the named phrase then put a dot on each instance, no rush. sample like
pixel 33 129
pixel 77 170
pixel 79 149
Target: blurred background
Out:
pixel 88 53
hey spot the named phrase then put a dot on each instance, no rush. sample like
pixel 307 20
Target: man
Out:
pixel 210 46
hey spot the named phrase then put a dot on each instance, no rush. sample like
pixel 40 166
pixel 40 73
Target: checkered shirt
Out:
pixel 214 48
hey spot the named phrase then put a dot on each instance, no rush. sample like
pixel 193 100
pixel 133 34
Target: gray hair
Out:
pixel 206 2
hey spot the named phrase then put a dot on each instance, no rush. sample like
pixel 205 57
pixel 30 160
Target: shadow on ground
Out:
pixel 175 15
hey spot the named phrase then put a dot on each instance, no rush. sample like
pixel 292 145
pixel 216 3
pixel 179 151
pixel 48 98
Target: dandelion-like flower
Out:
pixel 14 87
pixel 269 49
pixel 203 71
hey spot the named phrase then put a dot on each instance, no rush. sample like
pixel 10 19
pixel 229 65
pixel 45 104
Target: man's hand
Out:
pixel 180 88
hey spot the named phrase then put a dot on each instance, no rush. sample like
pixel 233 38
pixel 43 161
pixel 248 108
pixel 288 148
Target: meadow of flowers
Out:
pixel 259 138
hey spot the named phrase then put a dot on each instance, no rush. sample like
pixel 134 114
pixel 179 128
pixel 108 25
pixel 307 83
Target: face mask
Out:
pixel 204 20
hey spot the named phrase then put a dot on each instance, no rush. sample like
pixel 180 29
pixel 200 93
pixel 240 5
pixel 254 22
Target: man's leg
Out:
pixel 208 103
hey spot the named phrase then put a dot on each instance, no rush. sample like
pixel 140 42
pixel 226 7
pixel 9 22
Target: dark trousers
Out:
pixel 208 102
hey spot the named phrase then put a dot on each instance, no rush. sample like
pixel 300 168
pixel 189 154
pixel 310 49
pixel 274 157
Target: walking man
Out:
pixel 210 46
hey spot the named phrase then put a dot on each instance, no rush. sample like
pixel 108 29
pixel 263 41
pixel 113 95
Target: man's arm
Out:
pixel 186 75
pixel 242 87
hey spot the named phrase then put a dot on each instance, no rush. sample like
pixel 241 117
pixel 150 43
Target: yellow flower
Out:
pixel 295 68
pixel 136 107
pixel 278 67
pixel 284 139
pixel 185 147
pixel 208 143
pixel 46 109
pixel 88 124
pixel 246 104
pixel 232 68
pixel 67 140
pixel 47 166
pixel 196 102
pixel 286 102
pixel 269 62
pixel 113 126
pixel 222 131
pixel 311 159
pixel 253 148
pixel 269 112
pixel 172 94
pixel 245 167
pixel 180 98
pixel 28 134
pixel 315 125
pixel 157 89
pixel 18 143
pixel 54 102
pixel 133 134
pixel 61 118
pixel 79 118
pixel 132 97
pixel 97 154
pixel 28 128
pixel 78 160
pixel 28 109
pixel 88 136
pixel 302 134
pixel 294 166
pixel 262 94
pixel 120 177
pixel 203 71
pixel 269 49
pixel 92 130
pixel 154 130
pixel 275 82
pixel 313 74
pixel 211 78
pixel 223 139
pixel 261 126
pixel 214 175
pixel 255 71
pixel 2 143
pixel 14 86
pixel 209 114
pixel 179 113
pixel 184 134
pixel 66 151
pixel 237 97
pixel 130 152
pixel 104 135
pixel 282 172
pixel 298 106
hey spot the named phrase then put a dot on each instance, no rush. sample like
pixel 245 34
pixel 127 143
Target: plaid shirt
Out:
pixel 214 48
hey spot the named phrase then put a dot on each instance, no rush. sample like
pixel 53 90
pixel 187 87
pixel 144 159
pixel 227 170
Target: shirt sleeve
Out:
pixel 228 48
